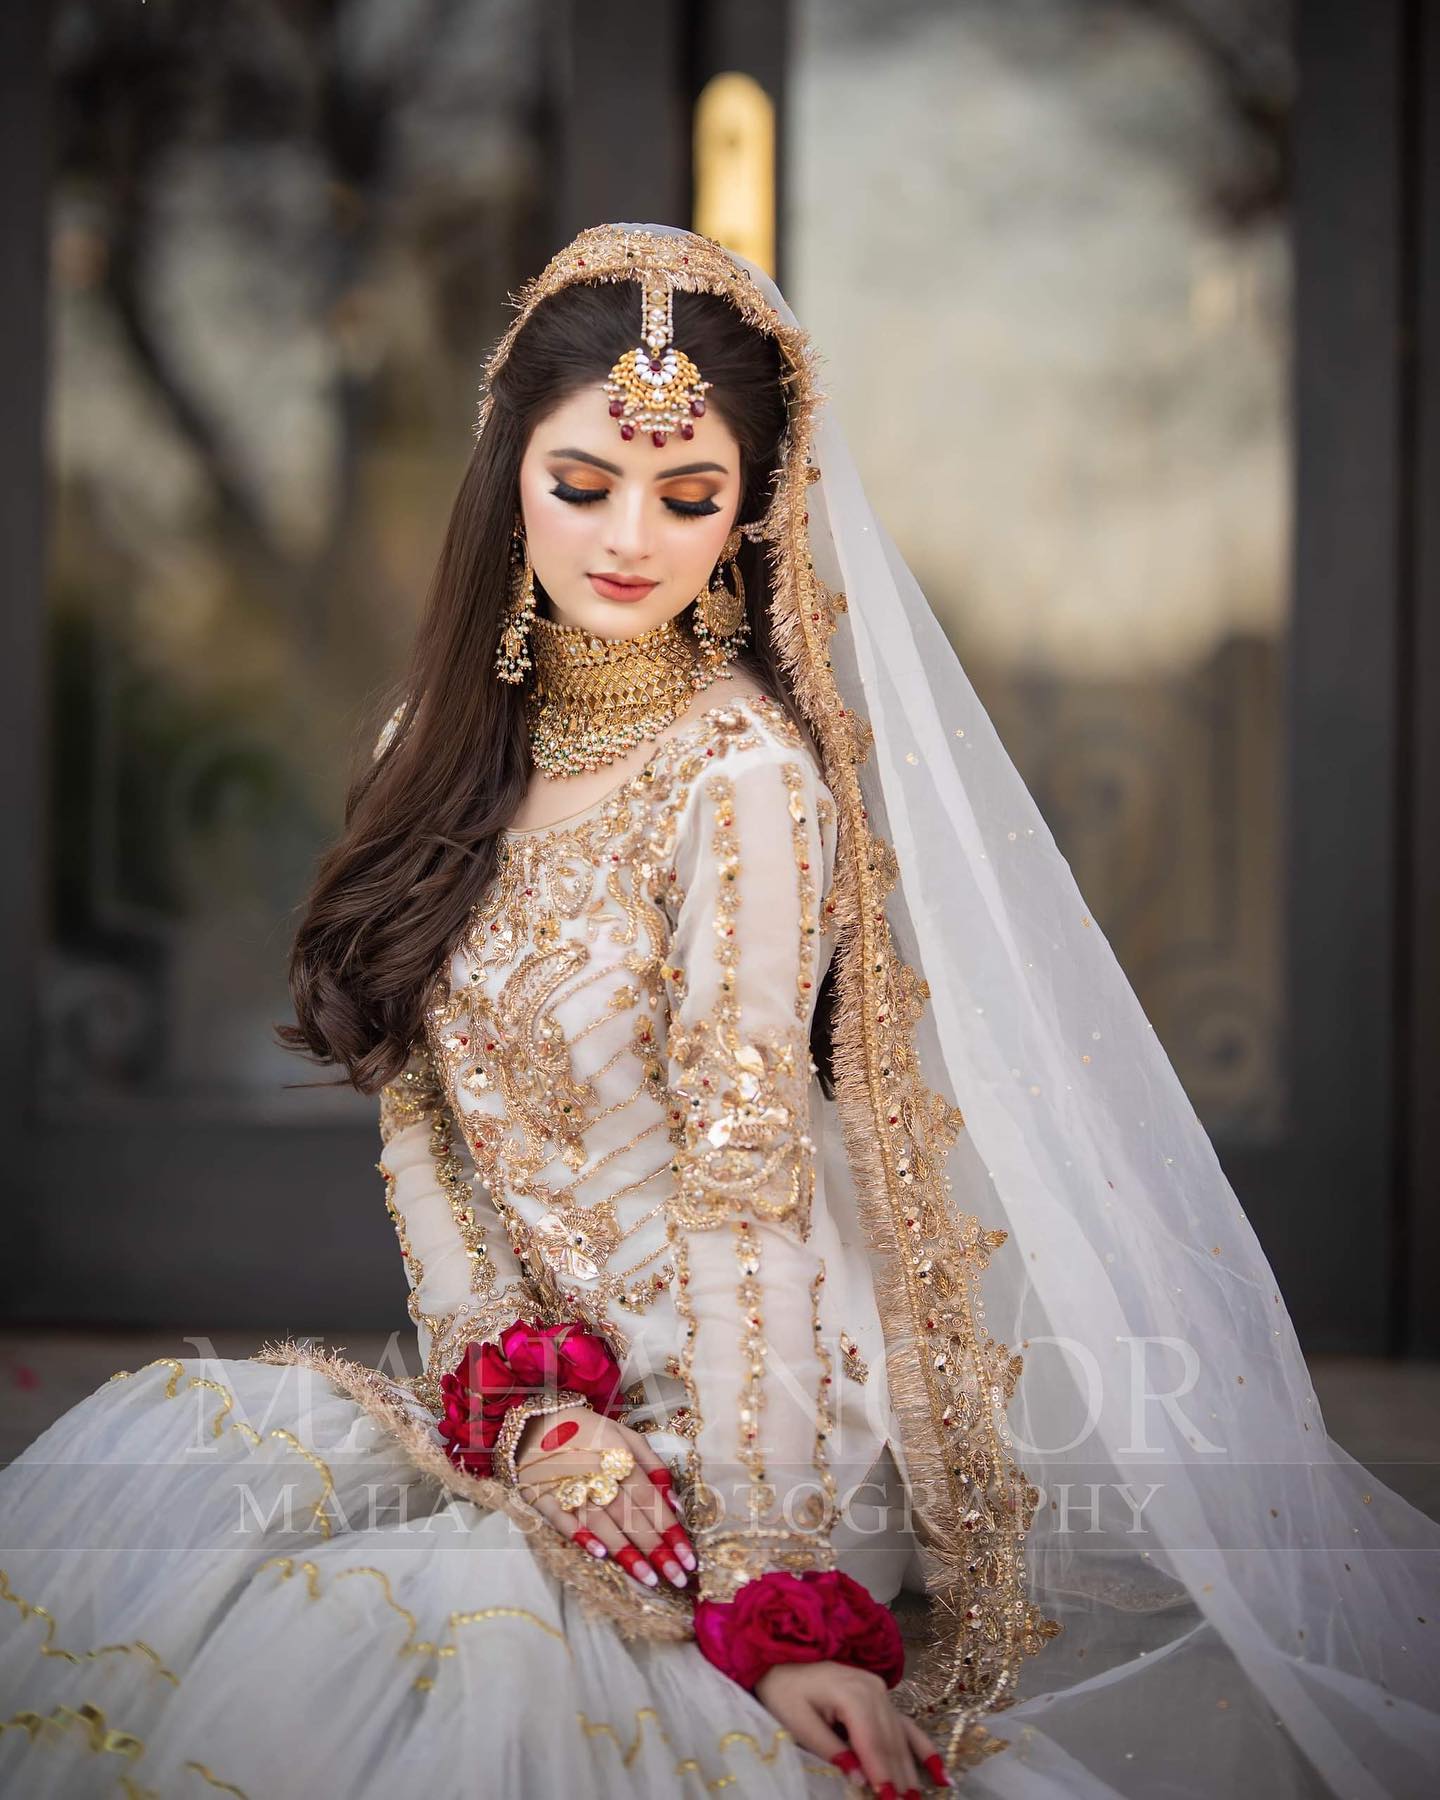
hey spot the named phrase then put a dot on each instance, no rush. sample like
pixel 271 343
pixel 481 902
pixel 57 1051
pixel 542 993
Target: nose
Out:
pixel 627 528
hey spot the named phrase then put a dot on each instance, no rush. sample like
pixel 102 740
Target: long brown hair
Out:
pixel 392 896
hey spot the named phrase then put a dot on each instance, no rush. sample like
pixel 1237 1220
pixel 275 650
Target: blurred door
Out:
pixel 1056 256
pixel 278 245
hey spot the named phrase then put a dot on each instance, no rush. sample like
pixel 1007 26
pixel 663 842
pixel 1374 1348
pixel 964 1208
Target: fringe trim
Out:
pixel 949 1379
pixel 603 1590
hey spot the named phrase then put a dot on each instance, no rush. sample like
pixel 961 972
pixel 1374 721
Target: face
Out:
pixel 624 535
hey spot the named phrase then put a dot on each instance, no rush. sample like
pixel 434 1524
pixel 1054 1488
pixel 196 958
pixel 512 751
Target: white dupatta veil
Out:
pixel 1241 1605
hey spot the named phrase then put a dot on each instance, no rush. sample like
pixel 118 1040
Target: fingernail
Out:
pixel 630 1559
pixel 935 1769
pixel 635 1564
pixel 911 1794
pixel 673 1572
pixel 846 1761
pixel 661 1479
pixel 590 1542
pixel 674 1536
pixel 886 1791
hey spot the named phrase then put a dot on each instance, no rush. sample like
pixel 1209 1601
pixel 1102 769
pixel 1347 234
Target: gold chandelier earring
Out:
pixel 720 623
pixel 512 662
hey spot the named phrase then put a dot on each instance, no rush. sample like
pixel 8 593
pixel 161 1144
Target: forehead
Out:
pixel 582 421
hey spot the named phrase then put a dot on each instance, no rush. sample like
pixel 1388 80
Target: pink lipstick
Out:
pixel 629 587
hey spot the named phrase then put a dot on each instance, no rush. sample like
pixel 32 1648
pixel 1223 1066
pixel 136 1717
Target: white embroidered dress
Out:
pixel 264 1573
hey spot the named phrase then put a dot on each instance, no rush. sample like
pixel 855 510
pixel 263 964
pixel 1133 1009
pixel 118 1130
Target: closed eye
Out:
pixel 684 509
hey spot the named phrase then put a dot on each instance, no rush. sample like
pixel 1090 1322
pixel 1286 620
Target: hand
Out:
pixel 640 1525
pixel 810 1699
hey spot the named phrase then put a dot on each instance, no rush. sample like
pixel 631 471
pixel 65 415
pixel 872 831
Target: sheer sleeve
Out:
pixel 753 860
pixel 466 1283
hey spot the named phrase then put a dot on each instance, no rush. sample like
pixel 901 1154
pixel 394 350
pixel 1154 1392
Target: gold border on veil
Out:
pixel 950 1380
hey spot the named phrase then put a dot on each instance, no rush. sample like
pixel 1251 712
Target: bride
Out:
pixel 757 1100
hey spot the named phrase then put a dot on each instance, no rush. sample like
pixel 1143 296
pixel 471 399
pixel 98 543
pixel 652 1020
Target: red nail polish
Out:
pixel 846 1761
pixel 911 1794
pixel 935 1769
pixel 886 1791
pixel 675 1536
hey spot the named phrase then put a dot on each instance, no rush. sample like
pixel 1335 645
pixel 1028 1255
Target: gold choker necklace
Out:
pixel 594 698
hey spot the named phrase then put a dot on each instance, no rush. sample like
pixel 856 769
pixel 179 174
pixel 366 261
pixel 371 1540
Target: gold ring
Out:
pixel 591 1487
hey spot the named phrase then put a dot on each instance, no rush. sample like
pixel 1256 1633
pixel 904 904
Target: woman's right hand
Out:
pixel 886 1747
pixel 640 1527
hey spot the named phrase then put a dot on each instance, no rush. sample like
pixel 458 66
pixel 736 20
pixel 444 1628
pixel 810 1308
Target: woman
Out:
pixel 723 988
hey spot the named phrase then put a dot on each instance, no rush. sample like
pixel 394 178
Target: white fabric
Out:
pixel 155 1520
pixel 1264 1622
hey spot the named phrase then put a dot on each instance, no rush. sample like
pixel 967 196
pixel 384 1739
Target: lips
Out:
pixel 618 587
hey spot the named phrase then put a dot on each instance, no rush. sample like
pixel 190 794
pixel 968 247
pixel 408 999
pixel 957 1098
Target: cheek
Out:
pixel 697 545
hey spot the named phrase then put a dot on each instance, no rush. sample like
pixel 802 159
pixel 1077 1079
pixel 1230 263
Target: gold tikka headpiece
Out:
pixel 656 388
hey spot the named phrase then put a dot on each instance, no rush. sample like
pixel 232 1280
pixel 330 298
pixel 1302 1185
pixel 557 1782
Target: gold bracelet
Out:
pixel 503 1456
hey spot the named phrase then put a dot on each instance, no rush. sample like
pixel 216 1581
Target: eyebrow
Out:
pixel 596 462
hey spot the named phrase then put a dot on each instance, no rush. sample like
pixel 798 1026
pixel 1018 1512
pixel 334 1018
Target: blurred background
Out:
pixel 1131 311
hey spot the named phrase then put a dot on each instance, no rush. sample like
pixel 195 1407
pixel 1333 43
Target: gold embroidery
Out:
pixel 101 1737
pixel 745 1147
pixel 854 1365
pixel 805 886
pixel 685 1363
pixel 752 1348
pixel 730 1557
pixel 688 1765
pixel 413 1095
pixel 31 1609
pixel 414 1645
pixel 817 1512
pixel 252 1437
pixel 477 1324
pixel 495 1034
pixel 413 1263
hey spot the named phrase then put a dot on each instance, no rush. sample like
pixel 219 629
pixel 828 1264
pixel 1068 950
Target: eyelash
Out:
pixel 684 509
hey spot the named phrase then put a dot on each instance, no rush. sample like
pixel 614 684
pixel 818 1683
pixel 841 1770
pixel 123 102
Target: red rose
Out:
pixel 529 1359
pixel 867 1631
pixel 819 1616
pixel 773 1619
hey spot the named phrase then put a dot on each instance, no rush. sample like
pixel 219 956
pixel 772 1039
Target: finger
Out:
pixel 643 1511
pixel 909 1776
pixel 565 1523
pixel 897 1756
pixel 592 1520
pixel 926 1754
pixel 637 1510
pixel 866 1725
pixel 922 1748
pixel 656 1470
pixel 810 1731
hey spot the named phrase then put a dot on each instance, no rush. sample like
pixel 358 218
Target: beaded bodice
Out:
pixel 615 1114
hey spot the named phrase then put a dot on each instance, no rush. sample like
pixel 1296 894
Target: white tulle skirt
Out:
pixel 262 1577
pixel 181 1622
